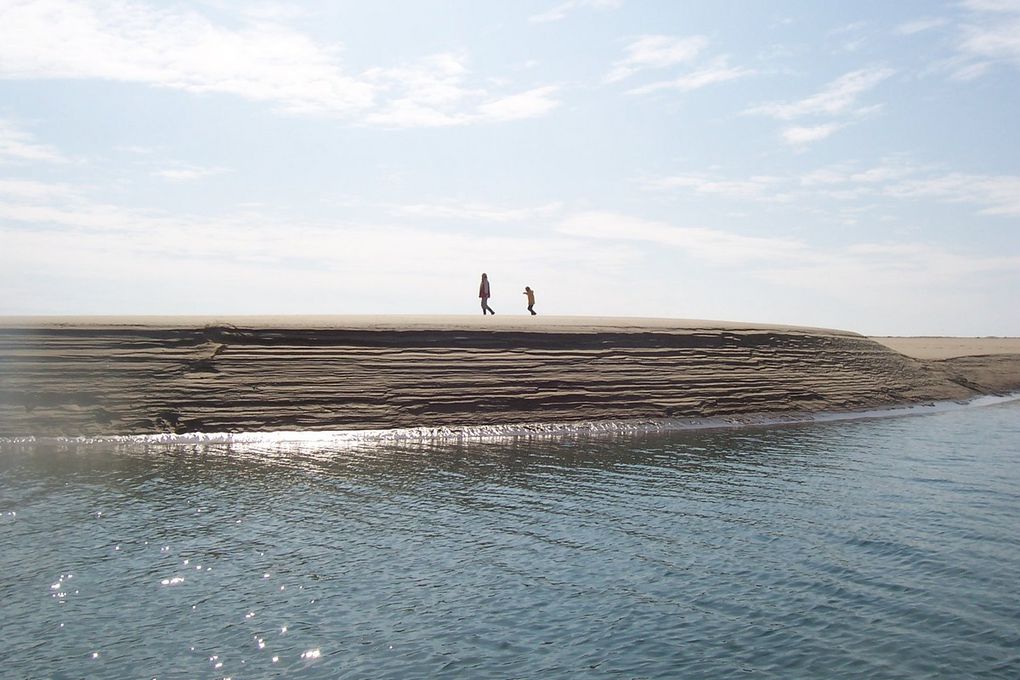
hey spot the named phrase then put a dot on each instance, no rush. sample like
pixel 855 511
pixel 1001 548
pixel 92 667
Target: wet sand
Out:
pixel 89 376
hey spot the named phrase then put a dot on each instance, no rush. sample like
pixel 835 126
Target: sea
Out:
pixel 873 548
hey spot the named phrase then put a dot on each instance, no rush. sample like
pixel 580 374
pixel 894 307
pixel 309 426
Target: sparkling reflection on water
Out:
pixel 881 548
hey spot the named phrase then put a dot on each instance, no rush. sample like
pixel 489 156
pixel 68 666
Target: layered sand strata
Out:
pixel 98 376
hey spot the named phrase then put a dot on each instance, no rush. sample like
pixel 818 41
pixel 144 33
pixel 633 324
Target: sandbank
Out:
pixel 94 376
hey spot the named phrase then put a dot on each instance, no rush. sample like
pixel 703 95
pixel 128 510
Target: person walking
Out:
pixel 483 293
pixel 531 299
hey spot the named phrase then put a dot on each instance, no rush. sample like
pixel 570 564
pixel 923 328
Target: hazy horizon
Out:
pixel 849 166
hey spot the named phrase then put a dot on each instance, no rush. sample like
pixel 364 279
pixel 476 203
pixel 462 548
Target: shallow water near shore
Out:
pixel 875 548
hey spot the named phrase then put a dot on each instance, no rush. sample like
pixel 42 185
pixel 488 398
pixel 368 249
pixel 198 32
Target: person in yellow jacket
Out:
pixel 531 299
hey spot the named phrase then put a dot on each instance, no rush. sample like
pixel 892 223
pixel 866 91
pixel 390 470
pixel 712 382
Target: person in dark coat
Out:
pixel 484 294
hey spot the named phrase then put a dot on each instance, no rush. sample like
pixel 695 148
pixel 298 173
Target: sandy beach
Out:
pixel 89 376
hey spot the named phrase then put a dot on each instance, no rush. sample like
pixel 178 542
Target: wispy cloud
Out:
pixel 837 101
pixel 174 48
pixel 920 25
pixel 850 37
pixel 713 245
pixel 988 35
pixel 561 10
pixel 255 58
pixel 996 43
pixel 993 5
pixel 995 38
pixel 846 271
pixel 529 104
pixel 756 188
pixel 187 173
pixel 888 170
pixel 387 263
pixel 17 144
pixel 838 97
pixel 474 211
pixel 136 149
pixel 899 275
pixel 801 135
pixel 999 194
pixel 893 178
pixel 273 11
pixel 434 92
pixel 717 72
pixel 656 51
pixel 20 189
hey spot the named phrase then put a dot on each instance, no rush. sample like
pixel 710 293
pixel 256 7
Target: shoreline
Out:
pixel 104 376
pixel 484 433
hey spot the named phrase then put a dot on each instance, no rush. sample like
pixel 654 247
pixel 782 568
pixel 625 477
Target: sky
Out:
pixel 848 165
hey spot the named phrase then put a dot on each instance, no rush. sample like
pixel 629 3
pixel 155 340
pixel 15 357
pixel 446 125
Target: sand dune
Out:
pixel 134 375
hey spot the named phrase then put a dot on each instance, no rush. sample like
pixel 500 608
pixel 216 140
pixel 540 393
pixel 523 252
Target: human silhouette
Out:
pixel 531 299
pixel 483 293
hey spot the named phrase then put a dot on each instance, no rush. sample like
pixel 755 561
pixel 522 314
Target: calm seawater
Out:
pixel 884 548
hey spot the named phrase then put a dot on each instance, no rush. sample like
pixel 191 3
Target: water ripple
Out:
pixel 878 548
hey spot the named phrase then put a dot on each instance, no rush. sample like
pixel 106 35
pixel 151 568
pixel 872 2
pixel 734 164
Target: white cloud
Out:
pixel 434 93
pixel 136 149
pixel 990 35
pixel 893 178
pixel 852 37
pixel 964 68
pixel 707 244
pixel 174 48
pixel 993 5
pixel 902 276
pixel 838 97
pixel 17 144
pixel 187 173
pixel 802 135
pixel 854 27
pixel 919 25
pixel 1000 194
pixel 66 254
pixel 656 51
pixel 255 59
pixel 869 273
pixel 273 11
pixel 28 189
pixel 472 211
pixel 530 104
pixel 761 187
pixel 997 41
pixel 889 169
pixel 718 72
pixel 561 10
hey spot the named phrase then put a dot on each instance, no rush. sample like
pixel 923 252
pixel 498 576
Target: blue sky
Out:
pixel 849 165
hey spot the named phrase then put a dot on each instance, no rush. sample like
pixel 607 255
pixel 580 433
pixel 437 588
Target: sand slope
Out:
pixel 134 375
